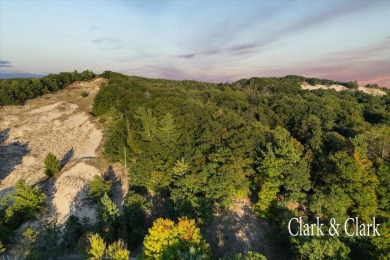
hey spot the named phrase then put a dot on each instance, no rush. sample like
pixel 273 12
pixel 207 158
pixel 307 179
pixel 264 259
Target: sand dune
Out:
pixel 371 91
pixel 58 123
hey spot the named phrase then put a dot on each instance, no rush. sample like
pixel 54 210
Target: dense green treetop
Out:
pixel 294 152
pixel 193 146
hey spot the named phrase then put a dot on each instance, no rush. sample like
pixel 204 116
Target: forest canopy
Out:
pixel 193 148
pixel 293 152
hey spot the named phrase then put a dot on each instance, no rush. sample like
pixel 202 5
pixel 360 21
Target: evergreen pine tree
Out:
pixel 52 165
pixel 167 130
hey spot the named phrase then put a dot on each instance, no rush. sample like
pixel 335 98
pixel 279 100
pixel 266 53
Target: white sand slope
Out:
pixel 70 192
pixel 58 123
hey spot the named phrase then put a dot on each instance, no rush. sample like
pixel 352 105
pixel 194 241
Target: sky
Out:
pixel 212 41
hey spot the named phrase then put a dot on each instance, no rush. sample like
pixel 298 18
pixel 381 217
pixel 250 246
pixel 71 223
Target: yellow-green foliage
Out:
pixel 167 239
pixel 118 251
pixel 158 237
pixel 97 246
pixel 2 248
pixel 98 249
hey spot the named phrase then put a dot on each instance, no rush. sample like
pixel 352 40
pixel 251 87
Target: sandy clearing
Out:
pixel 335 87
pixel 58 123
pixel 77 119
pixel 47 108
pixel 239 229
pixel 371 91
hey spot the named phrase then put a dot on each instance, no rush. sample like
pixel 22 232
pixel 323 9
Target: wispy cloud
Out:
pixel 379 51
pixel 186 56
pixel 5 64
pixel 113 48
pixel 243 47
pixel 172 72
pixel 107 43
pixel 105 40
pixel 211 51
pixel 93 28
pixel 337 69
pixel 222 36
pixel 216 40
pixel 327 15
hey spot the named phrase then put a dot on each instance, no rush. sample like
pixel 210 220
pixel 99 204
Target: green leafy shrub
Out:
pixel 24 203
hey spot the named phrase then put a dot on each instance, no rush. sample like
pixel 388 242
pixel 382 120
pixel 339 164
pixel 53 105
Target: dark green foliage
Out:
pixel 25 248
pixel 383 191
pixel 74 229
pixel 105 99
pixel 107 214
pixel 294 152
pixel 246 256
pixel 322 248
pixel 5 234
pixel 97 188
pixel 148 121
pixel 47 246
pixel 52 165
pixel 133 219
pixel 23 204
pixel 282 165
pixel 39 243
pixel 17 91
pixel 167 131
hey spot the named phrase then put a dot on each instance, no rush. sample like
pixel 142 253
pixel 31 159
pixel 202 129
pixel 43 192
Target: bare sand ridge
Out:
pixel 59 123
pixel 371 91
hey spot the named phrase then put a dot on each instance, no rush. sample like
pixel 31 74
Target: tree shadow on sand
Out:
pixel 67 157
pixel 241 231
pixel 11 154
pixel 117 192
pixel 80 205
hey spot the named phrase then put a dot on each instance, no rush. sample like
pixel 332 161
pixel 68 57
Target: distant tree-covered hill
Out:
pixel 17 91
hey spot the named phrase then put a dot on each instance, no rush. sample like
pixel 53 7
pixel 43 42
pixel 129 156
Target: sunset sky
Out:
pixel 214 41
